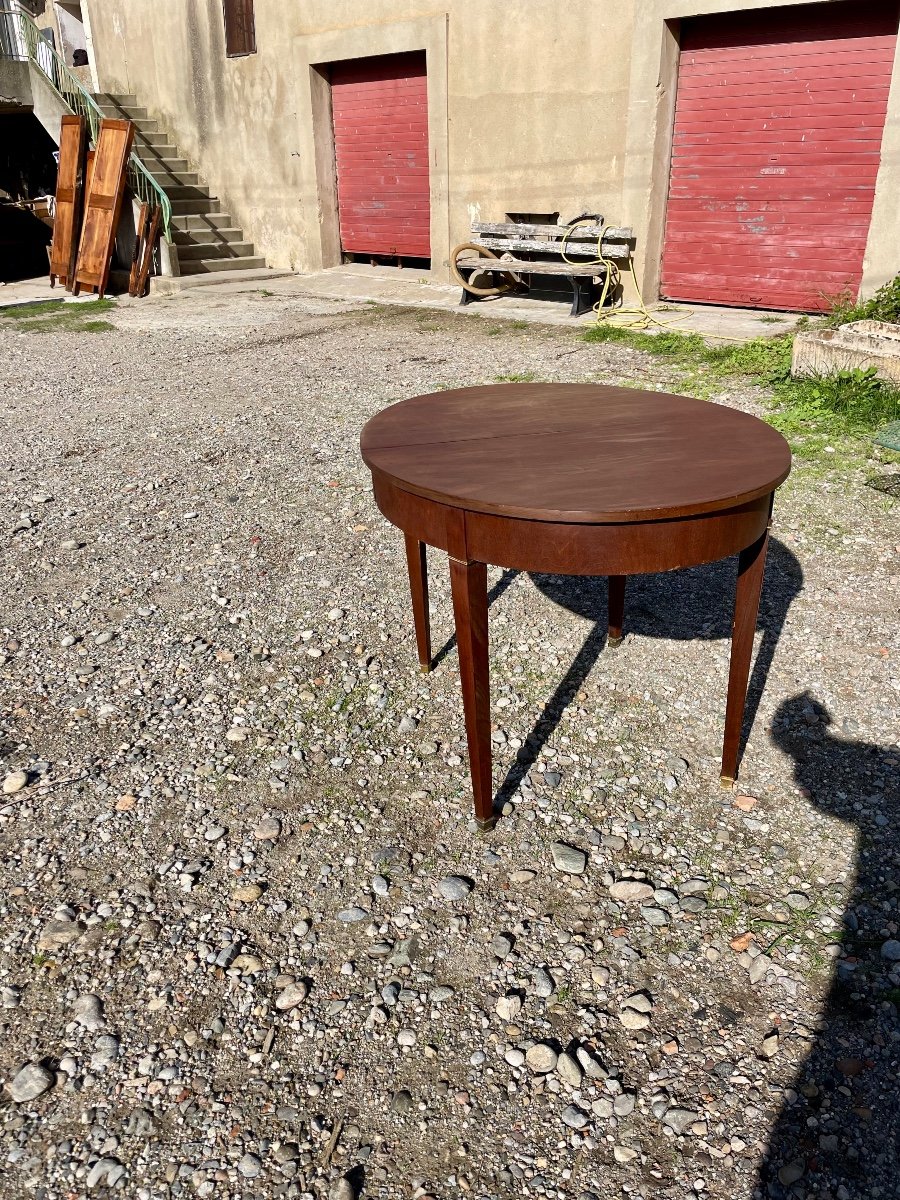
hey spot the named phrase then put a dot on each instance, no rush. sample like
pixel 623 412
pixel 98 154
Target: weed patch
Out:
pixel 883 306
pixel 57 316
pixel 850 404
pixel 521 377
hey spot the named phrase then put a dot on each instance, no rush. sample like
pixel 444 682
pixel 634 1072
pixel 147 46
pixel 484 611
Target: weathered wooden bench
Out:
pixel 537 250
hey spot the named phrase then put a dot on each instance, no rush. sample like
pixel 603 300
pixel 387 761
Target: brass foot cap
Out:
pixel 425 668
pixel 488 825
pixel 726 781
pixel 612 642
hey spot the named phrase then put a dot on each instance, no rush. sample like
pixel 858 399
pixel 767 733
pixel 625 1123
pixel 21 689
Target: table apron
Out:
pixel 627 548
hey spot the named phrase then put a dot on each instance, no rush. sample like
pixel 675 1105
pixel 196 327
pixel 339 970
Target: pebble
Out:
pixel 590 1064
pixel 568 859
pixel 791 1172
pixel 680 1119
pixel 574 1117
pixel 250 1166
pixel 57 934
pixel 543 982
pixel 291 996
pixel 891 950
pixel 31 1081
pixel 655 916
pixel 541 1058
pixel 87 1010
pixel 770 1046
pixel 634 1020
pixel 247 892
pixel 501 945
pixel 268 830
pixel 638 1002
pixel 14 782
pixel 352 916
pixel 508 1007
pixel 624 1154
pixel 248 964
pixel 107 1171
pixel 630 890
pixel 341 1189
pixel 568 1070
pixel 454 887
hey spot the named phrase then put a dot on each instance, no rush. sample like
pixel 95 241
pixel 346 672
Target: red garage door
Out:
pixel 777 141
pixel 381 152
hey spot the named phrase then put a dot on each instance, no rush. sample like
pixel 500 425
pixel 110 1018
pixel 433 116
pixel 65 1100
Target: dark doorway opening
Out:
pixel 27 182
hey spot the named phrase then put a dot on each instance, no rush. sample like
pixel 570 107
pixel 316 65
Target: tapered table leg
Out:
pixel 616 609
pixel 751 568
pixel 468 581
pixel 418 586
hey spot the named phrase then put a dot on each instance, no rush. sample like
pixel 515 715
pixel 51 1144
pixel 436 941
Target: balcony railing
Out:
pixel 21 39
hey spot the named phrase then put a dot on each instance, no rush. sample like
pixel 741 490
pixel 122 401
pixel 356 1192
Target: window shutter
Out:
pixel 240 33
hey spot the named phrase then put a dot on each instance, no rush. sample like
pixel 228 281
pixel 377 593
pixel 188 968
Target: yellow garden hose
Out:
pixel 641 316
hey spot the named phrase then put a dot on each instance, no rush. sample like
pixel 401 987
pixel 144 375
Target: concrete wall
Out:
pixel 534 106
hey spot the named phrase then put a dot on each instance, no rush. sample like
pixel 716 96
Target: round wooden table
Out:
pixel 573 479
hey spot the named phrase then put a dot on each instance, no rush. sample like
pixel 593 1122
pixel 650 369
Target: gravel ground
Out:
pixel 250 943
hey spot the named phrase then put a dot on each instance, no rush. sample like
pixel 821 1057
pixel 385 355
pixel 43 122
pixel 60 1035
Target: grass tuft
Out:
pixel 883 306
pixel 57 316
pixel 850 404
pixel 520 377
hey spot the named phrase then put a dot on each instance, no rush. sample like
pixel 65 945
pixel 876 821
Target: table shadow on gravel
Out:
pixel 840 1136
pixel 694 603
pixel 691 604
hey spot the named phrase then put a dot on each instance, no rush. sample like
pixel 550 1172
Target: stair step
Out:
pixel 171 179
pixel 200 206
pixel 188 191
pixel 206 251
pixel 161 153
pixel 125 99
pixel 204 232
pixel 191 223
pixel 141 126
pixel 110 109
pixel 200 266
pixel 157 138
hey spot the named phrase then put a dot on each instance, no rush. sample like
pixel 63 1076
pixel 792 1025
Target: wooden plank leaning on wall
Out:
pixel 70 183
pixel 103 205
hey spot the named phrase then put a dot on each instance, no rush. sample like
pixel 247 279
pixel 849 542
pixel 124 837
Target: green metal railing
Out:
pixel 21 39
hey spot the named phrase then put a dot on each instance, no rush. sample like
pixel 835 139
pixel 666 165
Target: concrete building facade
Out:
pixel 534 107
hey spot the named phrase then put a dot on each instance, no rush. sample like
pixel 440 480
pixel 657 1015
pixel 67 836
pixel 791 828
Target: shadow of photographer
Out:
pixel 838 1134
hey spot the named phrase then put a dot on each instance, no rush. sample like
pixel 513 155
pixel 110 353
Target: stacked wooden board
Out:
pixel 102 206
pixel 90 189
pixel 70 187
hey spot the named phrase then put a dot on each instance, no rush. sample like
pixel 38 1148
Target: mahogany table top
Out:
pixel 579 453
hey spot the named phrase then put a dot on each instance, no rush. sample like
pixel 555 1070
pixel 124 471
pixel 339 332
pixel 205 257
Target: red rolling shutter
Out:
pixel 380 108
pixel 778 124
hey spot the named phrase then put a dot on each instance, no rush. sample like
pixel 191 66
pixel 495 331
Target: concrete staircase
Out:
pixel 207 238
